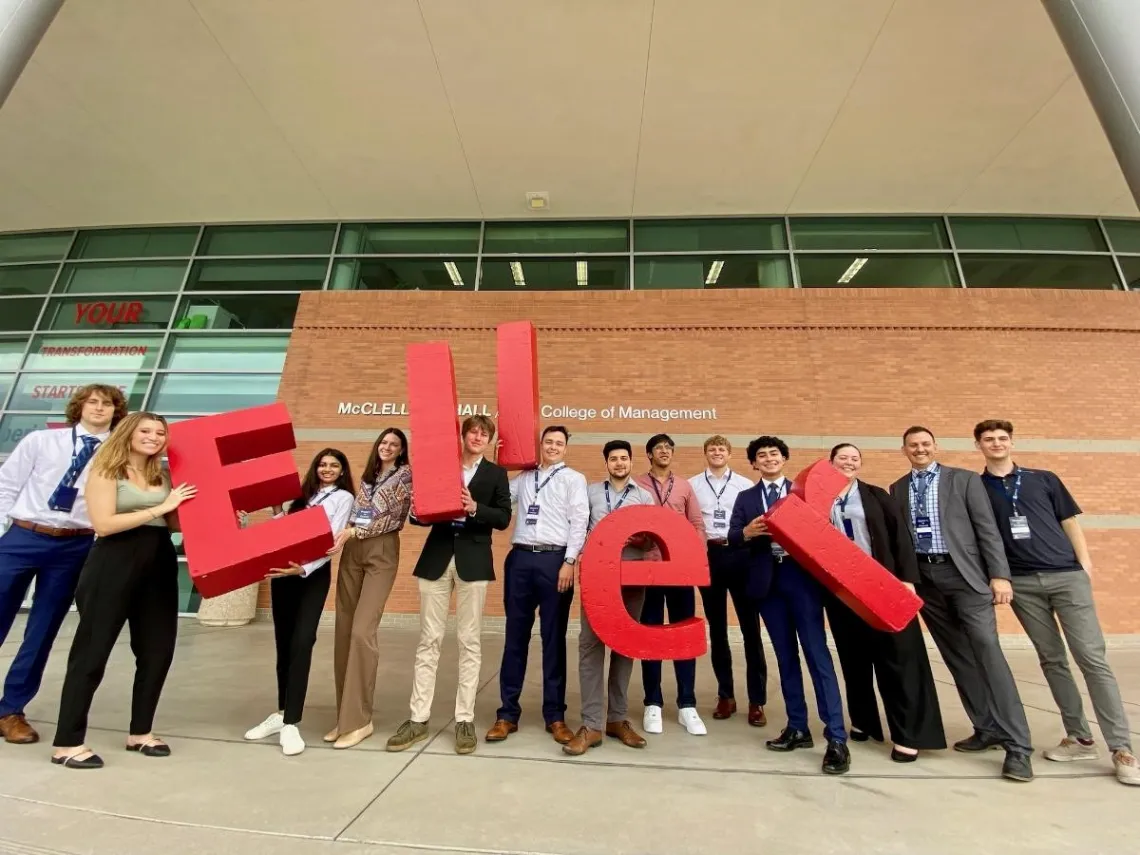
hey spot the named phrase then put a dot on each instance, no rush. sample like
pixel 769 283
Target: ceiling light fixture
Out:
pixel 538 201
pixel 850 272
pixel 517 274
pixel 714 272
pixel 453 273
pixel 583 274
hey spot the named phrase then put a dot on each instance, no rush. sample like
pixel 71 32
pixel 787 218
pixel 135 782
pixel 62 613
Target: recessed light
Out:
pixel 714 272
pixel 849 274
pixel 583 274
pixel 538 201
pixel 517 274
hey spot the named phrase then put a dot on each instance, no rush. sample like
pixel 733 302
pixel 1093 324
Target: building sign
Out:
pixel 615 412
pixel 116 312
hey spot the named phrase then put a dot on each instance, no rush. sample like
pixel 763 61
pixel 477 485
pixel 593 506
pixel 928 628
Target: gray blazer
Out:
pixel 968 525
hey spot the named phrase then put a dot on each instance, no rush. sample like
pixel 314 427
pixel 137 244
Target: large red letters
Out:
pixel 603 573
pixel 801 523
pixel 518 395
pixel 437 469
pixel 240 461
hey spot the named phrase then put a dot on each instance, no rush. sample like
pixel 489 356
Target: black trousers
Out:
pixel 728 572
pixel 128 578
pixel 297 606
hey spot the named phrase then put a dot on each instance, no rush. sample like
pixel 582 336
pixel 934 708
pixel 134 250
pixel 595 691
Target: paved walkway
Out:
pixel 684 795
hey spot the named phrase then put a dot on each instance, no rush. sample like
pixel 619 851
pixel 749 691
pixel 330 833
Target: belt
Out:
pixel 720 541
pixel 779 559
pixel 539 547
pixel 934 558
pixel 52 531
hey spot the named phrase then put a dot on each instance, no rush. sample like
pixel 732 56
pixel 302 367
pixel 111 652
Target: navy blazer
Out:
pixel 749 505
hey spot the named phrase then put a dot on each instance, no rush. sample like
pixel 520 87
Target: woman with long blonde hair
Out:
pixel 130 576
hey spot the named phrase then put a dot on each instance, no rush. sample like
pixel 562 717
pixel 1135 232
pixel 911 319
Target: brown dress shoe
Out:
pixel 623 731
pixel 15 729
pixel 756 716
pixel 583 741
pixel 725 708
pixel 561 733
pixel 500 730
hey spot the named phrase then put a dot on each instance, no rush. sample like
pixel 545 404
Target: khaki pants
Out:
pixel 365 579
pixel 435 601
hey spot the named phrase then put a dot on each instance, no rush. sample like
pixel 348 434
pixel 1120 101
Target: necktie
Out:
pixel 773 494
pixel 63 499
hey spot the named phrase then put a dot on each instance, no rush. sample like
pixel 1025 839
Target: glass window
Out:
pixel 1130 264
pixel 237 311
pixel 11 353
pixel 404 274
pixel 100 352
pixel 200 352
pixel 20 313
pixel 135 243
pixel 1027 233
pixel 18 281
pixel 268 240
pixel 555 274
pixel 49 393
pixel 46 246
pixel 189 600
pixel 409 239
pixel 708 235
pixel 868 233
pixel 584 236
pixel 1039 271
pixel 877 271
pixel 15 427
pixel 212 393
pixel 257 276
pixel 5 385
pixel 122 313
pixel 1124 234
pixel 116 278
pixel 732 271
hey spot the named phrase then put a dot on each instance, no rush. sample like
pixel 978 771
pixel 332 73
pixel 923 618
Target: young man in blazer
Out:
pixel 791 603
pixel 963 573
pixel 457 556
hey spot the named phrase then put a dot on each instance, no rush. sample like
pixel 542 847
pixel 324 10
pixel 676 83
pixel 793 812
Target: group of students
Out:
pixel 90 511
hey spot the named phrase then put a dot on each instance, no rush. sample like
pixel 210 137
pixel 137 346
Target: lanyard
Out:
pixel 669 492
pixel 779 490
pixel 842 502
pixel 621 499
pixel 538 487
pixel 1016 490
pixel 322 496
pixel 925 478
pixel 727 481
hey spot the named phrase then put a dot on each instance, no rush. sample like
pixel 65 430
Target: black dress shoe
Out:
pixel 902 756
pixel 94 761
pixel 837 759
pixel 977 742
pixel 151 749
pixel 1017 767
pixel 858 736
pixel 790 740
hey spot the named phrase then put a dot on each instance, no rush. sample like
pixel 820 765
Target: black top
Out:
pixel 1043 500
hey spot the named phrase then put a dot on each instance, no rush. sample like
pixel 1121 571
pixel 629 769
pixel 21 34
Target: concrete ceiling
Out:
pixel 146 111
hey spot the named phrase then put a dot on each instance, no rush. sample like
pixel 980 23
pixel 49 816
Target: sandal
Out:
pixel 153 747
pixel 91 761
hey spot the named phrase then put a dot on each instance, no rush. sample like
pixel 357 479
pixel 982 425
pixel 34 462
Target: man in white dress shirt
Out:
pixel 716 490
pixel 553 516
pixel 49 535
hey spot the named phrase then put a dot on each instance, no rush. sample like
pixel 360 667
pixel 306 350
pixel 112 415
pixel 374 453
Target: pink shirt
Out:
pixel 676 493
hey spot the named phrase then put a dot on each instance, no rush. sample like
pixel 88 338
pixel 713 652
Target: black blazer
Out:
pixel 470 545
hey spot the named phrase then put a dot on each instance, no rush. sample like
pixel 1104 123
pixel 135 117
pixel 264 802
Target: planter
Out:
pixel 236 608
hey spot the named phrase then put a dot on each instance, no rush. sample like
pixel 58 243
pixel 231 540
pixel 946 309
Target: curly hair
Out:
pixel 113 455
pixel 79 397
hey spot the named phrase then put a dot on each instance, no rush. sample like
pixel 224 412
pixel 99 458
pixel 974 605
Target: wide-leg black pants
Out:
pixel 298 602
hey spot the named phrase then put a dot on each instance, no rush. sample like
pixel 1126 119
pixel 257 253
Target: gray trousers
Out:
pixel 964 627
pixel 592 670
pixel 1039 601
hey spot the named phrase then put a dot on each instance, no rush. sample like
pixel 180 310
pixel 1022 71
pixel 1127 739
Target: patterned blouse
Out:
pixel 386 502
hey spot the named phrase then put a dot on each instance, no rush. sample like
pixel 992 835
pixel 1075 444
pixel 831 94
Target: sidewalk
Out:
pixel 683 795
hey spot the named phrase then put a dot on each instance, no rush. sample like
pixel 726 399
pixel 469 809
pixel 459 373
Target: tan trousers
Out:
pixel 365 579
pixel 435 602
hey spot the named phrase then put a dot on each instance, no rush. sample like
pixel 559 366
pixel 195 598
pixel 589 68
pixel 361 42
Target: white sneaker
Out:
pixel 689 719
pixel 651 721
pixel 1070 750
pixel 269 727
pixel 291 741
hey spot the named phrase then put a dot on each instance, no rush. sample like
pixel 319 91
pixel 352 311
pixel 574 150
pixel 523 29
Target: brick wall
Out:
pixel 812 364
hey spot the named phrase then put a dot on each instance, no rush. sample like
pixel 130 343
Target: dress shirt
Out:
pixel 707 488
pixel 853 509
pixel 937 544
pixel 680 498
pixel 564 508
pixel 30 475
pixel 337 504
pixel 637 495
pixel 468 474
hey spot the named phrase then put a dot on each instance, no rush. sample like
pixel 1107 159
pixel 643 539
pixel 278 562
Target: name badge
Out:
pixel 1019 527
pixel 63 499
pixel 720 525
pixel 778 550
pixel 364 517
pixel 924 531
pixel 720 514
pixel 532 515
pixel 848 528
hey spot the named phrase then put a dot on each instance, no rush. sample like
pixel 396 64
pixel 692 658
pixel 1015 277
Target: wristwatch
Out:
pixel 570 561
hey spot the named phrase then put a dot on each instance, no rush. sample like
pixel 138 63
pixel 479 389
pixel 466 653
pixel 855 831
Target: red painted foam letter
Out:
pixel 241 461
pixel 437 468
pixel 684 562
pixel 801 523
pixel 518 395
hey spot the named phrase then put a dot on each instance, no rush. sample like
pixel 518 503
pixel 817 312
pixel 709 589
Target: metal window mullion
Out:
pixel 954 250
pixel 172 320
pixel 792 253
pixel 332 257
pixel 1115 258
pixel 479 255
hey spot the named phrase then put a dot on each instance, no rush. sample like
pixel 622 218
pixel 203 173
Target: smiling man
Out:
pixel 963 574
